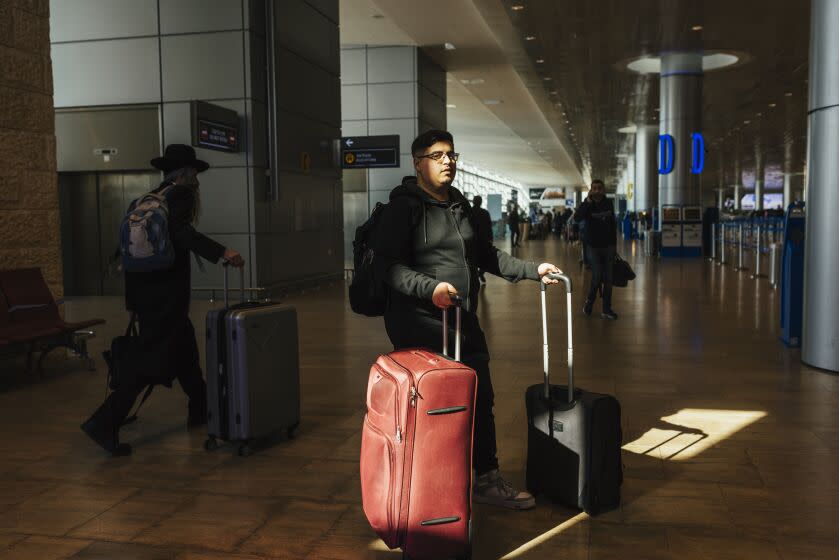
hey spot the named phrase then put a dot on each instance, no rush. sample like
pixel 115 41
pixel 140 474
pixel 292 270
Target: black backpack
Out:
pixel 368 293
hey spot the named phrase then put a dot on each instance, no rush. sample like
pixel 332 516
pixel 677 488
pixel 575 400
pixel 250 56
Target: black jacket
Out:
pixel 483 224
pixel 171 288
pixel 601 228
pixel 423 242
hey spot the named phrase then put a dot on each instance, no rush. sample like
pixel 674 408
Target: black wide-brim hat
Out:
pixel 177 156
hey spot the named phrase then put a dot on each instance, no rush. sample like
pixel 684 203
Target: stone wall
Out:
pixel 29 215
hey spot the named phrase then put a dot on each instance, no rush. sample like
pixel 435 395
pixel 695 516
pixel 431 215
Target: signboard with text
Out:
pixel 363 152
pixel 214 127
pixel 217 136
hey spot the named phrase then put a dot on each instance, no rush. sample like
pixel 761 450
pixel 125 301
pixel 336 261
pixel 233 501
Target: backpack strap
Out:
pixel 131 330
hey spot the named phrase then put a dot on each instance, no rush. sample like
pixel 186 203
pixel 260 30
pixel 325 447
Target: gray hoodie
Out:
pixel 422 242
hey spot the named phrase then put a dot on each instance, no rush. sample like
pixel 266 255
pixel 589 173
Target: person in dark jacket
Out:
pixel 483 227
pixel 429 250
pixel 513 220
pixel 160 302
pixel 600 239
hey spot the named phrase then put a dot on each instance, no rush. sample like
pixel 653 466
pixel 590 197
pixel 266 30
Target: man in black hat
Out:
pixel 160 302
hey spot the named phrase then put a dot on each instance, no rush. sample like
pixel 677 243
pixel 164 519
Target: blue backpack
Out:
pixel 144 242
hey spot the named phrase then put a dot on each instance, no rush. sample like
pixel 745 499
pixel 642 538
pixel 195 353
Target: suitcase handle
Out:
pixel 567 281
pixel 225 266
pixel 457 301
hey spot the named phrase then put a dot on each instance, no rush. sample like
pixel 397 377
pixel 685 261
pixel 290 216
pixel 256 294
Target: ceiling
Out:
pixel 515 137
pixel 571 105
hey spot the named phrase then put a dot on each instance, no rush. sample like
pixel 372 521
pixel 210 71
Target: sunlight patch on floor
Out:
pixel 378 545
pixel 691 431
pixel 544 537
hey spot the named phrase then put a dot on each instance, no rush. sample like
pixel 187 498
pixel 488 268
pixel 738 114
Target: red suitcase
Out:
pixel 416 451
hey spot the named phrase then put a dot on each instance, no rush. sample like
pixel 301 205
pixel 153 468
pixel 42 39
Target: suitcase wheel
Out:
pixel 211 444
pixel 245 450
pixel 292 431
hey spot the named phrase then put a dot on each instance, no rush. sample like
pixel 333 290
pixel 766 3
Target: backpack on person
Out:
pixel 144 242
pixel 368 293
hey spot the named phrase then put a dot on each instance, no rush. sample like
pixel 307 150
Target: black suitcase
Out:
pixel 573 437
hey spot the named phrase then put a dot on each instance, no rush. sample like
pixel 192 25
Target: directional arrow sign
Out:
pixel 362 152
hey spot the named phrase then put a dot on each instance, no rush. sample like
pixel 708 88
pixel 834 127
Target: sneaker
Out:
pixel 609 315
pixel 587 308
pixel 491 488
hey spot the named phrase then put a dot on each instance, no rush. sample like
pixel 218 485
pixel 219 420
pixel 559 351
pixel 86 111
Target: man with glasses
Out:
pixel 428 250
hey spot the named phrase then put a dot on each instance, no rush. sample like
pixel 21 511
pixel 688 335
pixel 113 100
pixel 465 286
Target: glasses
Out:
pixel 438 156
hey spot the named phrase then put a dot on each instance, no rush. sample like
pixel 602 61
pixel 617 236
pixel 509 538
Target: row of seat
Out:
pixel 30 319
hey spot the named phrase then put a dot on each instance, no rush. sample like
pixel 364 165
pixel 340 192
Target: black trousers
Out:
pixel 424 329
pixel 601 274
pixel 514 233
pixel 174 336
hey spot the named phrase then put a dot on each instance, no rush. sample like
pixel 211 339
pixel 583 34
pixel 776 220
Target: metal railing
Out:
pixel 744 235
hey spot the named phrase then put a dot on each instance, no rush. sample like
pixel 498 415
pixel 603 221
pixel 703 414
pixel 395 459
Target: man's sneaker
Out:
pixel 609 315
pixel 491 488
pixel 587 308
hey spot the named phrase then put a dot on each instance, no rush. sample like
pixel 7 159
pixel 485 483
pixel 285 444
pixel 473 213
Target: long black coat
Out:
pixel 170 289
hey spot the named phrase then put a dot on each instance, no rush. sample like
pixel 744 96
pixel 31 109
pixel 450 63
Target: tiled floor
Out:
pixel 731 445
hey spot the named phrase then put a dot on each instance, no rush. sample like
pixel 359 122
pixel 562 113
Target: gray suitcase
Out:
pixel 253 378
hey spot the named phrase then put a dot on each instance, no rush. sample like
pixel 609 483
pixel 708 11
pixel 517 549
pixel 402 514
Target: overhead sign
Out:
pixel 551 197
pixel 536 194
pixel 362 152
pixel 214 127
pixel 216 136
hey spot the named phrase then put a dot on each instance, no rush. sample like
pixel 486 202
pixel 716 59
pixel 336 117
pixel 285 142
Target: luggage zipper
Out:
pixel 390 458
pixel 383 373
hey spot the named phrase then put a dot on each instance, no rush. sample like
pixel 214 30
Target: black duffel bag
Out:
pixel 622 273
pixel 129 359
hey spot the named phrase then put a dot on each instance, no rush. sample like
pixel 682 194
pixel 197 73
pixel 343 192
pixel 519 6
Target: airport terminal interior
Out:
pixel 713 127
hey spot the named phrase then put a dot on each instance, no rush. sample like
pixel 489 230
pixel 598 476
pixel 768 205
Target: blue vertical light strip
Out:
pixel 698 150
pixel 667 154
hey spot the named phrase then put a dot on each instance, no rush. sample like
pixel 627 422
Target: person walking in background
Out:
pixel 513 222
pixel 600 238
pixel 483 227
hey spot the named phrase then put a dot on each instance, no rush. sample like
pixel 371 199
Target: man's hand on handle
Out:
pixel 441 295
pixel 233 258
pixel 548 268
